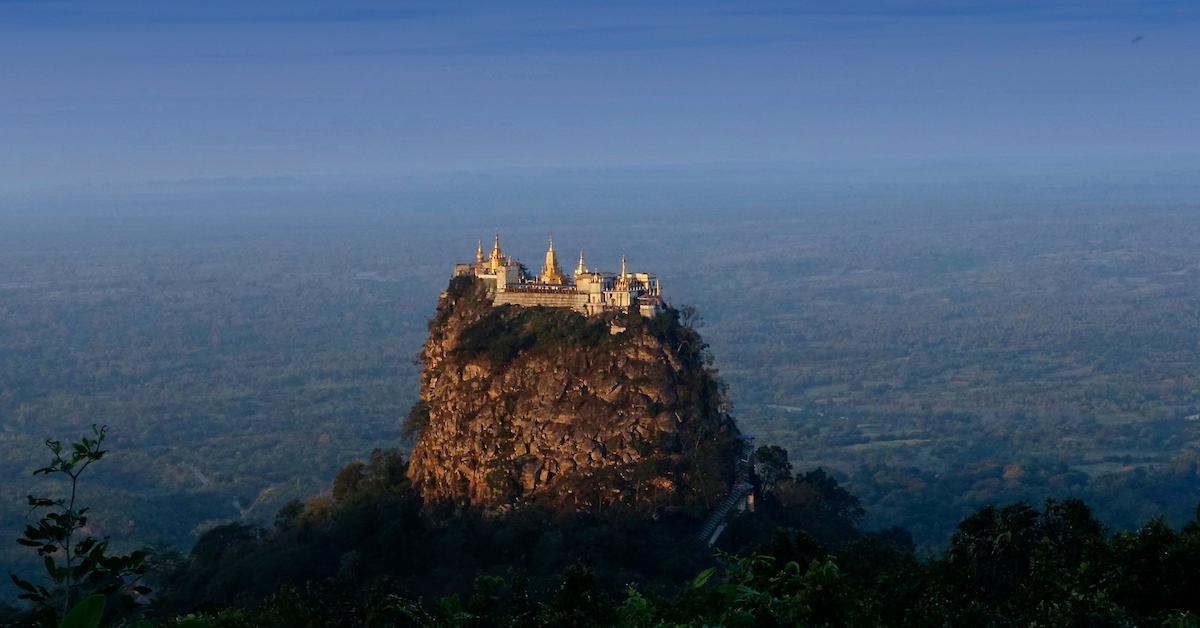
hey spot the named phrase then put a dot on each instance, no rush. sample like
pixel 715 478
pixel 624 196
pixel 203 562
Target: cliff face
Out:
pixel 533 405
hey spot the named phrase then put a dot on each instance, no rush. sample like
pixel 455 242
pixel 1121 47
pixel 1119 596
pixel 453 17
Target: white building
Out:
pixel 585 291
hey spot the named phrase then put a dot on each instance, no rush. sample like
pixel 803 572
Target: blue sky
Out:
pixel 123 91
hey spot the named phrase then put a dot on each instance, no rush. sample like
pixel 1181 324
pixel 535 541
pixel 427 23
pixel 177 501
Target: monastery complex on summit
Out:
pixel 585 291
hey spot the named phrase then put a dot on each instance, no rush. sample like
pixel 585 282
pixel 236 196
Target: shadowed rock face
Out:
pixel 534 405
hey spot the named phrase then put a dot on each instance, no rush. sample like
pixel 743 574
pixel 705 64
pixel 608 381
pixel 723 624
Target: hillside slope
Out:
pixel 533 405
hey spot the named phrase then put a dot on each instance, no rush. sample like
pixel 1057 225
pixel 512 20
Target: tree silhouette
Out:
pixel 75 566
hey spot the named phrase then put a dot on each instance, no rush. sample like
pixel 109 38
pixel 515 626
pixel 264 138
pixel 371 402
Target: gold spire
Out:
pixel 623 276
pixel 497 259
pixel 551 273
pixel 479 252
pixel 581 269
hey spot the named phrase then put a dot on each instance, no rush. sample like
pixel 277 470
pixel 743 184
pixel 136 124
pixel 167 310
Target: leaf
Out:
pixel 702 578
pixel 85 545
pixel 52 569
pixel 86 614
pixel 23 584
pixel 83 568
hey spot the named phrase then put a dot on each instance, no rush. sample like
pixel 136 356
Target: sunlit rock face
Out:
pixel 547 406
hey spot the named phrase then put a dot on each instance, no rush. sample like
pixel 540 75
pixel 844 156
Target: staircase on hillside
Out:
pixel 715 524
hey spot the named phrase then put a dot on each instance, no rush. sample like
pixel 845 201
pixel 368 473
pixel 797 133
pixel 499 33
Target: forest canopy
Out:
pixel 368 553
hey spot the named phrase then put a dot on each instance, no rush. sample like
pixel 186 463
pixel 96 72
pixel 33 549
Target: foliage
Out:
pixel 369 555
pixel 503 333
pixel 771 464
pixel 1014 565
pixel 75 565
pixel 813 502
pixel 86 614
pixel 416 421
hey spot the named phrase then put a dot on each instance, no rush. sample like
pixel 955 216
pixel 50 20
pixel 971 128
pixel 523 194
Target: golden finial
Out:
pixel 551 273
pixel 581 269
pixel 479 252
pixel 497 259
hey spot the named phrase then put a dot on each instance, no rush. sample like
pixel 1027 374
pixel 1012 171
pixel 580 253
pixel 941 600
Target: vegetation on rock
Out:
pixel 549 407
pixel 369 554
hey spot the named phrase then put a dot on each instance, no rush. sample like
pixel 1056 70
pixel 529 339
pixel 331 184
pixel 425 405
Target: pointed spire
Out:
pixel 551 273
pixel 497 259
pixel 479 252
pixel 581 269
pixel 623 276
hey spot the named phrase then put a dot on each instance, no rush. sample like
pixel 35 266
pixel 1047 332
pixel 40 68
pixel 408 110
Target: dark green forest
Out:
pixel 370 554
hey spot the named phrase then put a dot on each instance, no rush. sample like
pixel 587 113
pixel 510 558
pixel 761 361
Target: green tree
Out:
pixel 77 565
pixel 771 464
pixel 815 503
pixel 416 421
pixel 579 601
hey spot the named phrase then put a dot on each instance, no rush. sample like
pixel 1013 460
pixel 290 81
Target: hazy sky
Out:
pixel 94 91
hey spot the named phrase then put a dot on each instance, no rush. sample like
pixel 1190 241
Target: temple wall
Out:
pixel 573 300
